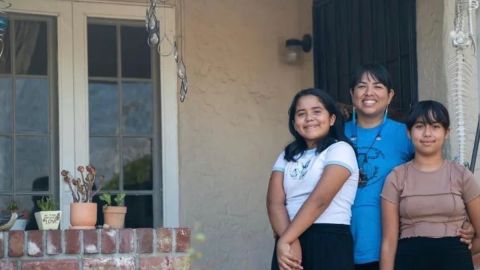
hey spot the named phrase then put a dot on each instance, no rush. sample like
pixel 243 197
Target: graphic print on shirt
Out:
pixel 371 171
pixel 300 169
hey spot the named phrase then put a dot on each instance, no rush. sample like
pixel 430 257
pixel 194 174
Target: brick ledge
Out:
pixel 145 248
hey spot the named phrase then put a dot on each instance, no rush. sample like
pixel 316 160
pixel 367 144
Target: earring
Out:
pixel 354 114
pixel 385 115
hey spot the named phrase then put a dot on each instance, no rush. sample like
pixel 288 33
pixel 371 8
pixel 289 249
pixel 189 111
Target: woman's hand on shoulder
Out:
pixel 466 233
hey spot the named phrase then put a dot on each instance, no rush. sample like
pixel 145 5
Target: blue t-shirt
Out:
pixel 379 150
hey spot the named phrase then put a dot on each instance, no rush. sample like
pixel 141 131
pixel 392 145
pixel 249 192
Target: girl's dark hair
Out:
pixel 429 112
pixel 377 71
pixel 336 132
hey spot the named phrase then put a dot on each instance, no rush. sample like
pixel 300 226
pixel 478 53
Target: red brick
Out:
pixel 90 242
pixel 126 241
pixel 183 239
pixel 145 240
pixel 8 265
pixel 35 243
pixel 15 243
pixel 156 263
pixel 72 241
pixel 124 263
pixel 164 240
pixel 54 242
pixel 109 241
pixel 1 246
pixel 50 264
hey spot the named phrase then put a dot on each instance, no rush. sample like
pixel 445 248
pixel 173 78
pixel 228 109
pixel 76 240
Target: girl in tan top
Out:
pixel 426 201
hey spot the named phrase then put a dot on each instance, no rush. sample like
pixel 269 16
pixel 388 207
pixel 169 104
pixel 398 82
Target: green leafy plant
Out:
pixel 12 206
pixel 47 204
pixel 120 199
pixel 107 198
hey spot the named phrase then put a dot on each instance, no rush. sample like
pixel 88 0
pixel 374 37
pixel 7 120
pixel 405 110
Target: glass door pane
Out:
pixel 28 155
pixel 123 104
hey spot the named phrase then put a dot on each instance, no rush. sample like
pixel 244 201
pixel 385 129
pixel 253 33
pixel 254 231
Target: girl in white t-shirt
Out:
pixel 312 188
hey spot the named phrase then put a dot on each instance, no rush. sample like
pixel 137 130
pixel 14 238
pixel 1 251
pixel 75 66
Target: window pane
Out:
pixel 139 211
pixel 5 164
pixel 5 65
pixel 135 65
pixel 137 108
pixel 32 168
pixel 104 156
pixel 25 205
pixel 5 105
pixel 137 163
pixel 102 51
pixel 32 105
pixel 4 201
pixel 103 108
pixel 31 47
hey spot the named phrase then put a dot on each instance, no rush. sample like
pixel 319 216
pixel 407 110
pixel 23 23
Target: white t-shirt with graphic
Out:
pixel 301 177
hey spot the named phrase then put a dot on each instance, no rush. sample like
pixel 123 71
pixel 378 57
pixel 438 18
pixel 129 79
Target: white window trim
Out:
pixel 73 90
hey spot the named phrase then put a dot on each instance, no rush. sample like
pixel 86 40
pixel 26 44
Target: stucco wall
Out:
pixel 432 83
pixel 233 123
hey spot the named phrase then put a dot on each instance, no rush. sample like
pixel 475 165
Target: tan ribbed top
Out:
pixel 431 204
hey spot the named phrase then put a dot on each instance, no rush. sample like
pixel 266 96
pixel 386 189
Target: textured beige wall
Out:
pixel 233 123
pixel 432 83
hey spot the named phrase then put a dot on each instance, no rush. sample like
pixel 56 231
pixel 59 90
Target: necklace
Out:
pixel 363 177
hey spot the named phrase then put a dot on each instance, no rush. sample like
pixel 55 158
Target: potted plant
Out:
pixel 114 215
pixel 83 212
pixel 48 218
pixel 22 218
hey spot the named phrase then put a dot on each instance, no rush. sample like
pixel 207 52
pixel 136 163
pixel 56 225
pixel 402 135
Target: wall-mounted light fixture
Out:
pixel 295 46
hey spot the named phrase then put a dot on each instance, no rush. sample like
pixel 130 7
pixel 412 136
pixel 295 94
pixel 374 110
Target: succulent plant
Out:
pixel 82 187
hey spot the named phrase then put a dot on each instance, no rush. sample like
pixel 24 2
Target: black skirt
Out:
pixel 424 253
pixel 325 247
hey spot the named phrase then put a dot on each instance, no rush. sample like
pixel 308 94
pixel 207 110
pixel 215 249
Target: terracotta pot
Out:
pixel 48 220
pixel 83 215
pixel 114 216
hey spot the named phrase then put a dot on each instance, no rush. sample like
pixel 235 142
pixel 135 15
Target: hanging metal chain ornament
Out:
pixel 459 68
pixel 4 5
pixel 157 38
pixel 152 25
pixel 181 73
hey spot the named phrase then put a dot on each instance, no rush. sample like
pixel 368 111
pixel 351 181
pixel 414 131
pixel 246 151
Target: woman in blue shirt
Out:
pixel 381 144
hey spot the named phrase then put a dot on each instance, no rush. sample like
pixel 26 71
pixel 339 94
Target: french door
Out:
pixel 114 104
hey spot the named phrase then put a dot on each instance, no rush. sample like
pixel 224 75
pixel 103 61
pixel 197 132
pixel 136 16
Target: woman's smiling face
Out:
pixel 370 97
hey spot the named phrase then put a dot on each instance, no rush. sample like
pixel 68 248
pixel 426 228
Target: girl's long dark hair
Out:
pixel 336 132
